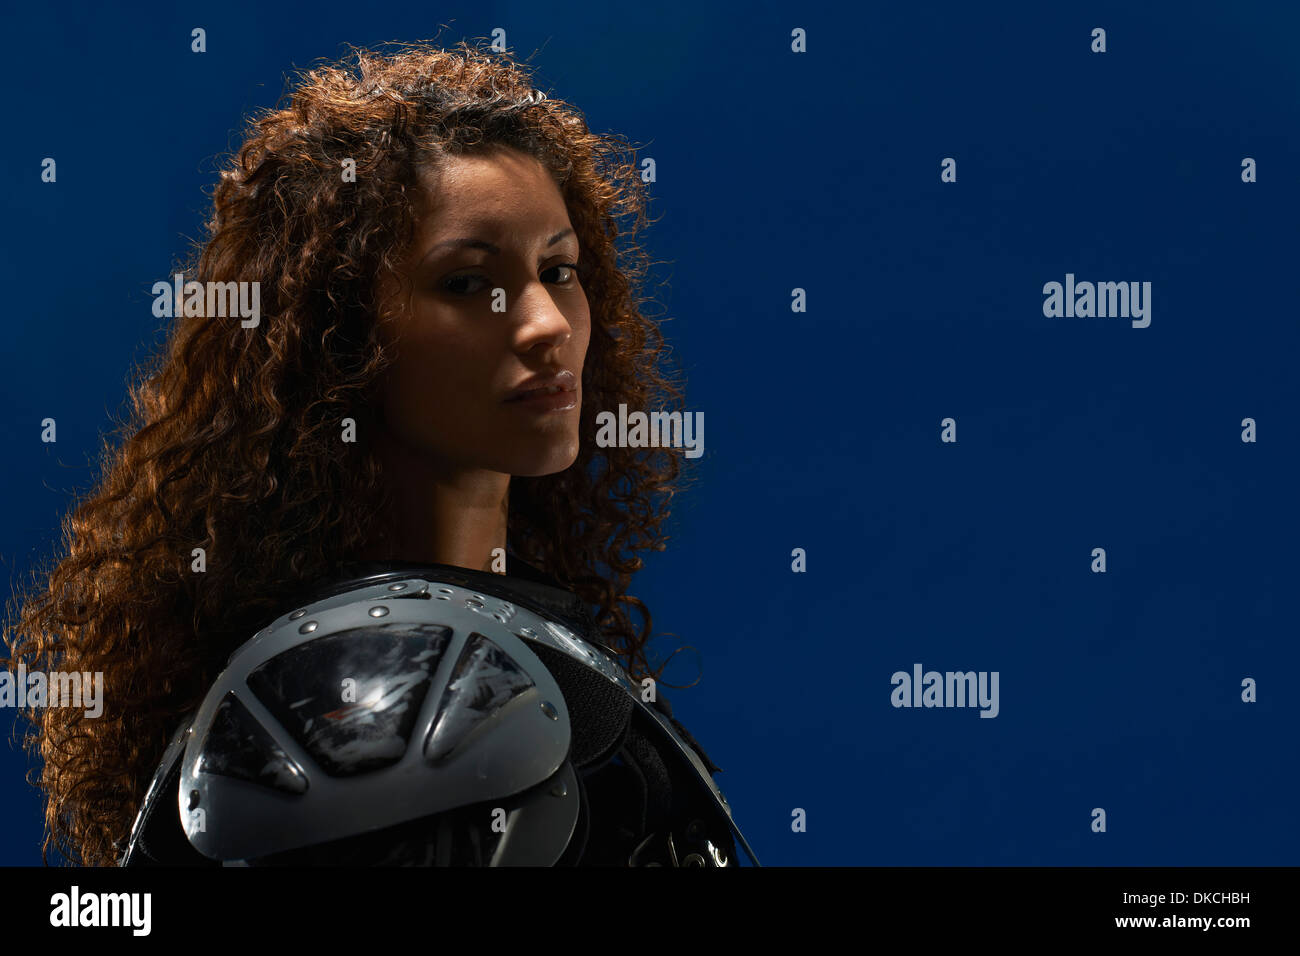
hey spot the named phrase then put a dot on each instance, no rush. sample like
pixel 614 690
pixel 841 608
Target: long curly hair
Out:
pixel 232 443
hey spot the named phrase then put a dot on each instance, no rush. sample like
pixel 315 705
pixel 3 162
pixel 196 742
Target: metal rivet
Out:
pixel 307 628
pixel 397 587
pixel 549 710
pixel 194 799
pixel 559 789
pixel 297 614
pixel 378 611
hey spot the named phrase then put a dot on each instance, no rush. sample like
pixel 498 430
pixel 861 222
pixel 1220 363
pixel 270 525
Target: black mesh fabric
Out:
pixel 598 709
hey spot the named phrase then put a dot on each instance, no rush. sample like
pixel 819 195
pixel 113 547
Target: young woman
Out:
pixel 443 311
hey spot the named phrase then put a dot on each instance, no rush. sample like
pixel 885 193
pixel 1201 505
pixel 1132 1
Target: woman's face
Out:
pixel 493 301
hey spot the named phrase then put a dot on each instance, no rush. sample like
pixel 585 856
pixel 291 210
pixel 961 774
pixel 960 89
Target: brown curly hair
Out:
pixel 231 442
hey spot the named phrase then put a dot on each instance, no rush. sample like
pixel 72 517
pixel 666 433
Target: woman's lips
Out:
pixel 543 400
pixel 563 378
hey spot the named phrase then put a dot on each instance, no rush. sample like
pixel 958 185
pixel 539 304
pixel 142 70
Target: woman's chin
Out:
pixel 551 462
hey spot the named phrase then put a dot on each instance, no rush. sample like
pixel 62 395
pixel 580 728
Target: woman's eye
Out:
pixel 453 284
pixel 572 273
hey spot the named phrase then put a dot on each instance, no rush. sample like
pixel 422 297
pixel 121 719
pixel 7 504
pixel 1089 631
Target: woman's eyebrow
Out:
pixel 489 247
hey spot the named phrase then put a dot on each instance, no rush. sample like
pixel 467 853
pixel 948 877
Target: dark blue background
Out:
pixel 821 171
